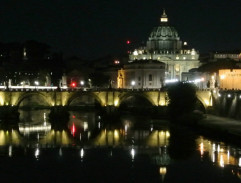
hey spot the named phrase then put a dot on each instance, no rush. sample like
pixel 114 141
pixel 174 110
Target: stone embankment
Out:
pixel 226 129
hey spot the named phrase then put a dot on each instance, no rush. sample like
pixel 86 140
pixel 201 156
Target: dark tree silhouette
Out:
pixel 182 98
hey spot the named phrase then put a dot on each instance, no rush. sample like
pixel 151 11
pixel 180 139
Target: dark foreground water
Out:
pixel 122 148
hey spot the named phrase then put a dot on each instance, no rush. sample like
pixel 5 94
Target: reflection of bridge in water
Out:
pixel 154 142
pixel 107 97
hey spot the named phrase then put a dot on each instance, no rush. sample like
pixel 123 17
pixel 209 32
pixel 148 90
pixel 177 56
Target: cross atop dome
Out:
pixel 164 17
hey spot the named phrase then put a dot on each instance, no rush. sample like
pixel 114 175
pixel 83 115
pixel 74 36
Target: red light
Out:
pixel 73 130
pixel 74 116
pixel 73 84
pixel 128 42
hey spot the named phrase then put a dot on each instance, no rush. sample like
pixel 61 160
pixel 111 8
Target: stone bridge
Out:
pixel 91 97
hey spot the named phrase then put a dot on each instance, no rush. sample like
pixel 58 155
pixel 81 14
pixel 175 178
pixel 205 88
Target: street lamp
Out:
pixel 133 84
pixel 222 77
pixel 82 83
pixel 90 83
pixel 36 83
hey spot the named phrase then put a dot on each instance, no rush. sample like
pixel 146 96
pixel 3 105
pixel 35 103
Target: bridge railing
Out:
pixel 53 88
pixel 94 89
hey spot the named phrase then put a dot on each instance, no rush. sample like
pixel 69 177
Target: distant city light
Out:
pixel 36 83
pixel 135 52
pixel 128 42
pixel 82 83
pixel 85 126
pixel 73 84
pixel 171 80
pixel 116 61
pixel 198 80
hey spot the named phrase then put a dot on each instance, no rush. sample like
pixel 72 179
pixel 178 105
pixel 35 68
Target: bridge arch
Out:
pixel 34 99
pixel 83 99
pixel 205 98
pixel 200 106
pixel 136 99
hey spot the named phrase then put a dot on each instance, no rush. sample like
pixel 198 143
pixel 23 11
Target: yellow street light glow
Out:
pixel 116 134
pixel 116 102
pixel 206 102
pixel 221 161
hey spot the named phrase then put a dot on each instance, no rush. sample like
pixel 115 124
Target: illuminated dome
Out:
pixel 164 37
pixel 165 45
pixel 164 33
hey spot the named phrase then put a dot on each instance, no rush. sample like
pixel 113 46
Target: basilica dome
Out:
pixel 164 37
pixel 164 33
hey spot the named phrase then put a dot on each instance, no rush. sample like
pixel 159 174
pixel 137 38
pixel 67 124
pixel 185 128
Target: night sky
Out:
pixel 95 28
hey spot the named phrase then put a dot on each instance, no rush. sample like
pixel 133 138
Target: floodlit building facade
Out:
pixel 165 45
pixel 233 55
pixel 230 79
pixel 142 74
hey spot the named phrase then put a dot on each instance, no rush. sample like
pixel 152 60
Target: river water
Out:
pixel 118 148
